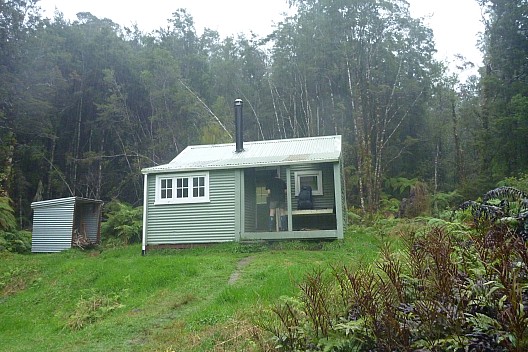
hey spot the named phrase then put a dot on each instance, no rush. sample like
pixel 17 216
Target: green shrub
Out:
pixel 15 241
pixel 355 216
pixel 442 201
pixel 123 222
pixel 389 205
pixel 520 182
pixel 500 206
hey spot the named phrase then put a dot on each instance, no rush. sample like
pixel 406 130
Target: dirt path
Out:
pixel 238 271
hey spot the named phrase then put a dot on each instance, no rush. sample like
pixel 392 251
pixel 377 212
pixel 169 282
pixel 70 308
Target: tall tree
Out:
pixel 18 21
pixel 366 63
pixel 505 88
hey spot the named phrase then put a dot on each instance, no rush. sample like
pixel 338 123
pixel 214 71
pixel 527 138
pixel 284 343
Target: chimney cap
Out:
pixel 238 101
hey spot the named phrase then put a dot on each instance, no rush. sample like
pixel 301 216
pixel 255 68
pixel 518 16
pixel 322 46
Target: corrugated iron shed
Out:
pixel 55 221
pixel 260 153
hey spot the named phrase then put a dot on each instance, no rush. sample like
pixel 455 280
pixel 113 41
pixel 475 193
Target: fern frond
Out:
pixel 7 217
pixel 509 193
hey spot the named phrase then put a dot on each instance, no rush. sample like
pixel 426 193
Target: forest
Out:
pixel 86 104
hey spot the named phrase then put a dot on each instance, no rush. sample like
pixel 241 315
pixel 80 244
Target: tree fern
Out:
pixel 123 221
pixel 400 184
pixel 7 217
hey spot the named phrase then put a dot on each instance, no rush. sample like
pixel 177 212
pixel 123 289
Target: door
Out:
pixel 261 177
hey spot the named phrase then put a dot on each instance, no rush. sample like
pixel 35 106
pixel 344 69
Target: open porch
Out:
pixel 325 221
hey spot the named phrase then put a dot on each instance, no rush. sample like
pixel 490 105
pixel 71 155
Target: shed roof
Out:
pixel 260 153
pixel 61 201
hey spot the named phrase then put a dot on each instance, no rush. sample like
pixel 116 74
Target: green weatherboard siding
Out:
pixel 194 223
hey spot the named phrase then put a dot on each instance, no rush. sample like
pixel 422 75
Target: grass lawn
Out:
pixel 170 300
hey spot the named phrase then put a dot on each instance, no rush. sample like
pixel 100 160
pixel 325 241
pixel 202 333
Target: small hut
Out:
pixel 59 224
pixel 211 193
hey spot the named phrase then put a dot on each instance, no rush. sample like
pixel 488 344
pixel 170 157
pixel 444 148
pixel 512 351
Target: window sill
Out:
pixel 186 201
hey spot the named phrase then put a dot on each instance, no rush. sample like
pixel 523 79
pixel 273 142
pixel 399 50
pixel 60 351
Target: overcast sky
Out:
pixel 456 23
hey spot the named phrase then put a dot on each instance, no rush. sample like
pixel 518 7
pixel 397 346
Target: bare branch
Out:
pixel 254 114
pixel 61 176
pixel 207 108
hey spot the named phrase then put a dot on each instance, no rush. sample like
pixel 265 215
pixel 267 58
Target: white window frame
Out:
pixel 164 189
pixel 319 177
pixel 190 199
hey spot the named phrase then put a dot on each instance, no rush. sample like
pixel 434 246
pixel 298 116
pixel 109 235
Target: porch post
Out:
pixel 239 204
pixel 289 198
pixel 338 200
pixel 145 209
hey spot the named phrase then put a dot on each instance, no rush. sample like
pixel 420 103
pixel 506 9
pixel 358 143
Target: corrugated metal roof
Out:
pixel 60 201
pixel 274 152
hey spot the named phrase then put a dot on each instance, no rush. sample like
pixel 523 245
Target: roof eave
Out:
pixel 156 170
pixel 66 200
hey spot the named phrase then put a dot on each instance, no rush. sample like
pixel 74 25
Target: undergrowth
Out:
pixel 446 291
pixel 15 279
pixel 91 307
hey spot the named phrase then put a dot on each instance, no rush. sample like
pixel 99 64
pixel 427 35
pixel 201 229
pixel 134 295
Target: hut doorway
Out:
pixel 261 178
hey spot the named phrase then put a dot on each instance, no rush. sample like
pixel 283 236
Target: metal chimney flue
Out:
pixel 239 124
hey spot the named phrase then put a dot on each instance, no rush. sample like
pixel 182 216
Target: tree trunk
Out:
pixel 459 166
pixel 100 170
pixel 356 121
pixel 5 176
pixel 51 161
pixel 77 153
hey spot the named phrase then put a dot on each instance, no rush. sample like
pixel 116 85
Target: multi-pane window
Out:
pixel 199 186
pixel 182 187
pixel 166 188
pixel 185 188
